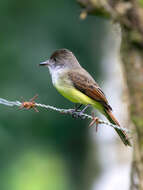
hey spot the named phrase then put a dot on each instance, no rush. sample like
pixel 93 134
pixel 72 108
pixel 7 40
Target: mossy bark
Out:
pixel 130 16
pixel 132 57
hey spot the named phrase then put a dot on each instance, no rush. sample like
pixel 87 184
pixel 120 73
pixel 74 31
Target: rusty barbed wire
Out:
pixel 32 104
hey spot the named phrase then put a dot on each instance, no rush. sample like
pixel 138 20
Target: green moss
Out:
pixel 137 121
pixel 135 36
pixel 141 3
pixel 100 12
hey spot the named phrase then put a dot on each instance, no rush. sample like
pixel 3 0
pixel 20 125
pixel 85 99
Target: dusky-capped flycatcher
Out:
pixel 77 85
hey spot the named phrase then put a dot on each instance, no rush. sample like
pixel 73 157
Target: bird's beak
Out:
pixel 45 63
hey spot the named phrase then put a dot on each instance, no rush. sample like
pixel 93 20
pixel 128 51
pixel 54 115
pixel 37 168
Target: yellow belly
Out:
pixel 74 95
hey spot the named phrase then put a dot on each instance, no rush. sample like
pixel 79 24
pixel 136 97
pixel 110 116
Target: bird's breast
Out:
pixel 60 78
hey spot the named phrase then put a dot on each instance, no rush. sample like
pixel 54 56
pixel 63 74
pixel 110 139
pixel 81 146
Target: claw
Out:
pixel 74 115
pixel 78 115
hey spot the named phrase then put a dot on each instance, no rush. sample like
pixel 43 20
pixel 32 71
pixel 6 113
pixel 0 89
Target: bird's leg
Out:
pixel 80 114
pixel 75 110
pixel 77 106
pixel 83 110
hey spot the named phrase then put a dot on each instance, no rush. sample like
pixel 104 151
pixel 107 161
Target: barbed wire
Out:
pixel 33 104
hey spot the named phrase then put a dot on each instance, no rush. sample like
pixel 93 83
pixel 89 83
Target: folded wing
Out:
pixel 86 84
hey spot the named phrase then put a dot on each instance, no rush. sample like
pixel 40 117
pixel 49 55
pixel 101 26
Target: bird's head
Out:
pixel 62 58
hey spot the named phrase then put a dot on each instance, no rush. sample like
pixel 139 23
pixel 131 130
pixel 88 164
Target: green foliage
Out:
pixel 37 170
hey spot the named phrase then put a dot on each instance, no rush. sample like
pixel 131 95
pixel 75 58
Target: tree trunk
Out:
pixel 130 16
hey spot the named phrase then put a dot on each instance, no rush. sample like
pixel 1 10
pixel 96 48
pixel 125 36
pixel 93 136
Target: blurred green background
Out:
pixel 45 150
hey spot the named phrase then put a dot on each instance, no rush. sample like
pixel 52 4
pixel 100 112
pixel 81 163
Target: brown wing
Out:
pixel 86 84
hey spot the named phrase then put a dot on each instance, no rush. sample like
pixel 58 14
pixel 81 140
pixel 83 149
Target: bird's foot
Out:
pixel 79 114
pixel 95 120
pixel 76 115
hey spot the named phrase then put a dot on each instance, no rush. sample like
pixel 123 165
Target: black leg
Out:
pixel 83 110
pixel 79 114
pixel 75 110
pixel 77 106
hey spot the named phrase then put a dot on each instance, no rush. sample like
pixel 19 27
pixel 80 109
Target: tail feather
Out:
pixel 121 133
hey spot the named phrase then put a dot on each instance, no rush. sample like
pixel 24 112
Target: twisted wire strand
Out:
pixel 65 111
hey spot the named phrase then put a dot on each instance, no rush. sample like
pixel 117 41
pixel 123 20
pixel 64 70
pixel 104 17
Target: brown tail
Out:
pixel 121 133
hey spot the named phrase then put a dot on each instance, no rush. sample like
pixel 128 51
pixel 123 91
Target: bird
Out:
pixel 77 85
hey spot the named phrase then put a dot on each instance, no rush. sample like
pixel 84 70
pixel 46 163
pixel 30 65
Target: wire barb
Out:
pixel 95 120
pixel 32 104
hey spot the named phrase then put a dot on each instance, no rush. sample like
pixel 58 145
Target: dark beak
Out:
pixel 45 63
